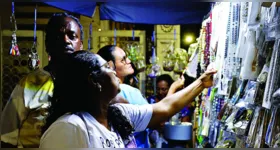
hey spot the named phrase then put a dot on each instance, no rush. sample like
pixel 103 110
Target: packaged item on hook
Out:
pixel 242 120
pixel 239 92
pixel 206 118
pixel 211 133
pixel 250 92
pixel 271 31
pixel 229 125
pixel 263 75
pixel 254 13
pixel 228 111
pixel 277 141
pixel 260 137
pixel 217 127
pixel 228 141
pixel 253 128
pixel 276 97
pixel 272 83
pixel 260 87
pixel 276 129
pixel 260 40
pixel 224 110
pixel 249 68
pixel 240 141
pixel 269 22
pixel 268 136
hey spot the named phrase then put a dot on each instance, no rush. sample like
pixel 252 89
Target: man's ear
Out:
pixel 81 46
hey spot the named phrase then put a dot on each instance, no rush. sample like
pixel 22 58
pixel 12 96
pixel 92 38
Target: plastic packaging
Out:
pixel 253 128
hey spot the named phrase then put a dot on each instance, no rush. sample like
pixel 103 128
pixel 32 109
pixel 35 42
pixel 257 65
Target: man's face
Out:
pixel 69 37
pixel 122 63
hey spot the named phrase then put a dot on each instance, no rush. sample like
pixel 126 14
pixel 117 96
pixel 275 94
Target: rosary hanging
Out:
pixel 14 50
pixel 33 61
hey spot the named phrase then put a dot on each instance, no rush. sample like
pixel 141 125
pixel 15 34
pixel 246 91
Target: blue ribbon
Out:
pixel 35 24
pixel 13 7
pixel 133 38
pixel 89 39
pixel 153 37
pixel 115 36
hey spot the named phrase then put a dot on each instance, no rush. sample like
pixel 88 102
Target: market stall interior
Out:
pixel 239 39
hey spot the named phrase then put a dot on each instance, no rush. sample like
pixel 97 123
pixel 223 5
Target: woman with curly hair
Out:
pixel 81 112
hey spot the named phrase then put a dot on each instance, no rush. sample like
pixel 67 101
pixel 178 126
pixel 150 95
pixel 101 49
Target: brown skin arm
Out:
pixel 175 86
pixel 172 104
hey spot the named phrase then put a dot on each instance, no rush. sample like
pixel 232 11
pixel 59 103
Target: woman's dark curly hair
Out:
pixel 75 91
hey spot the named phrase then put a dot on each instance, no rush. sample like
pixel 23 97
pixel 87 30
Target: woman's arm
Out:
pixel 172 104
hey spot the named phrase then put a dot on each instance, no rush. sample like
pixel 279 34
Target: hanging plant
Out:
pixel 181 57
pixel 169 59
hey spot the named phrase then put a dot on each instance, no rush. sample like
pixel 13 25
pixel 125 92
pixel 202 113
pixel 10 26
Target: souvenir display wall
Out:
pixel 241 40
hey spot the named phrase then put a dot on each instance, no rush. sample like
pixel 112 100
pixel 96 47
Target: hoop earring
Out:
pixel 99 87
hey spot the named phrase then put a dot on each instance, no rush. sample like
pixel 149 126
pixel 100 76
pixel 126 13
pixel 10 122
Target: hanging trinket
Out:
pixel 14 50
pixel 154 69
pixel 33 61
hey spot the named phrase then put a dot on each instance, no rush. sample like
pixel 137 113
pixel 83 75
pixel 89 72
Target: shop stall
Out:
pixel 241 40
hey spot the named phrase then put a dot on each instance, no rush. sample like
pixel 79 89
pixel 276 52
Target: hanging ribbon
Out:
pixel 115 36
pixel 133 38
pixel 153 49
pixel 174 34
pixel 155 68
pixel 153 36
pixel 35 25
pixel 33 60
pixel 14 50
pixel 13 8
pixel 89 39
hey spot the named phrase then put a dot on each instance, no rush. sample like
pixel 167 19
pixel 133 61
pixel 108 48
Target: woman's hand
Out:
pixel 178 84
pixel 207 78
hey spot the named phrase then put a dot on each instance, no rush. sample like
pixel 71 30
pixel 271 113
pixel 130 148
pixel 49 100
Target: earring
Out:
pixel 99 87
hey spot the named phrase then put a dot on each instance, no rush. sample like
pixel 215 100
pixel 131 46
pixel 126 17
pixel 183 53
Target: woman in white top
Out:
pixel 82 116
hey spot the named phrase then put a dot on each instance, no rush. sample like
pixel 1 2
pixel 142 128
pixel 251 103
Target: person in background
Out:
pixel 118 60
pixel 24 114
pixel 81 113
pixel 163 84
